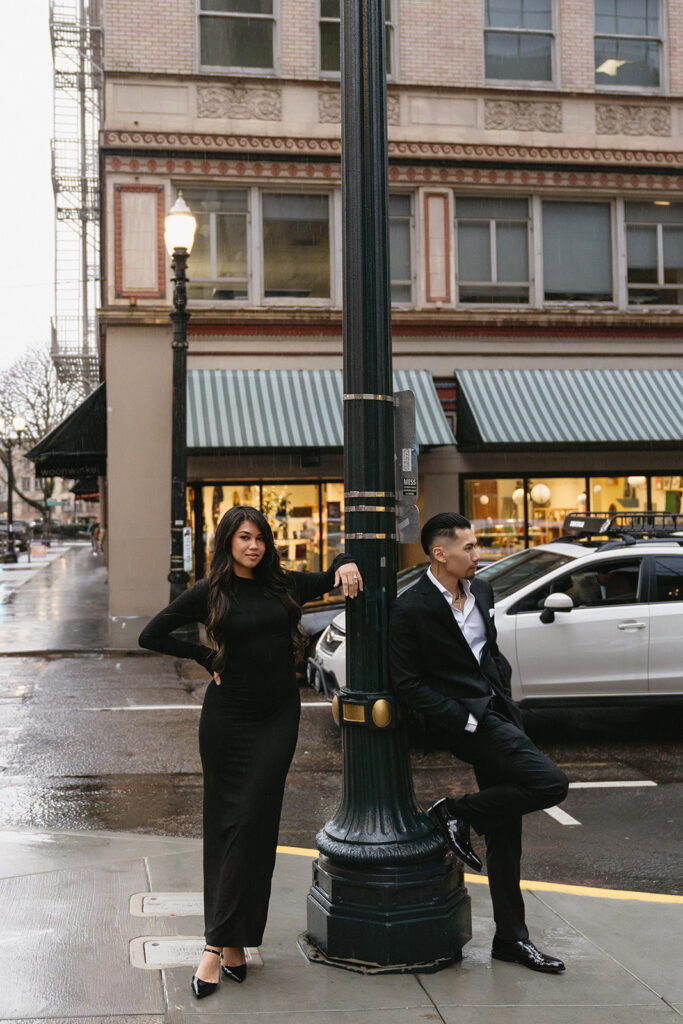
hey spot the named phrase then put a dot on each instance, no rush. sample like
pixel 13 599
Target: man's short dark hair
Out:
pixel 442 525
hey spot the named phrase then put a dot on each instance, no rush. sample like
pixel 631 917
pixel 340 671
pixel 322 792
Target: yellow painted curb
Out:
pixel 572 890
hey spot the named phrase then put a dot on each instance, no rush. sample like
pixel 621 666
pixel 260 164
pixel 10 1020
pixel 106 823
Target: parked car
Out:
pixel 20 530
pixel 581 619
pixel 318 619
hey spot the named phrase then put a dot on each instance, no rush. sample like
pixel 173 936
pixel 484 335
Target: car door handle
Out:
pixel 631 625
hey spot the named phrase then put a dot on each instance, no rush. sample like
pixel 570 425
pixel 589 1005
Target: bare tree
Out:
pixel 30 388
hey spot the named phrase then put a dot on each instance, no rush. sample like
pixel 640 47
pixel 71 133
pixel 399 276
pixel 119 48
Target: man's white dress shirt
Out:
pixel 471 622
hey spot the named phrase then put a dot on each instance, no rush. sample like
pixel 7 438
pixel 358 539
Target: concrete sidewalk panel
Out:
pixel 126 1019
pixel 593 978
pixel 409 1015
pixel 572 1014
pixel 287 984
pixel 29 851
pixel 65 945
pixel 645 938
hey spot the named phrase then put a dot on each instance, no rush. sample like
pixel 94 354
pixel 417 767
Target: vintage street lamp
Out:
pixel 179 236
pixel 19 424
pixel 386 893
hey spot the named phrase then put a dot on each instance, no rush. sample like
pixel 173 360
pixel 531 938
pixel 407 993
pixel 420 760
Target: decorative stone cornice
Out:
pixel 422 151
pixel 632 119
pixel 240 101
pixel 522 116
pixel 329 107
pixel 518 178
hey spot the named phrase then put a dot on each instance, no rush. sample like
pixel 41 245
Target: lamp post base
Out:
pixel 404 919
pixel 10 558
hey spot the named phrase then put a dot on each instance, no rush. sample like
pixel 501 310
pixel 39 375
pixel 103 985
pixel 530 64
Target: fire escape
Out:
pixel 76 34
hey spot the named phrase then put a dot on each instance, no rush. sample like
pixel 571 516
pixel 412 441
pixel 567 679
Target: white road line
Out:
pixel 619 784
pixel 559 815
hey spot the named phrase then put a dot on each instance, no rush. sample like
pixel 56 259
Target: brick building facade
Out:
pixel 536 250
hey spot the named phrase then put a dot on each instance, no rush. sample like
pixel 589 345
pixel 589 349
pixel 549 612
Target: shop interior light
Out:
pixel 635 481
pixel 540 494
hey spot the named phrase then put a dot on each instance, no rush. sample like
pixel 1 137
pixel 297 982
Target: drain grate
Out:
pixel 159 952
pixel 167 904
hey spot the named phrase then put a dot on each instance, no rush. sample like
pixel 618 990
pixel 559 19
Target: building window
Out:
pixel 237 34
pixel 518 40
pixel 577 252
pixel 400 248
pixel 330 36
pixel 654 248
pixel 219 263
pixel 296 246
pixel 26 484
pixel 493 249
pixel 627 42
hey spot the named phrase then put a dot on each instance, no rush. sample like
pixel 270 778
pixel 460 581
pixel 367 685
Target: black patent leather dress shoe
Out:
pixel 204 988
pixel 237 973
pixel 457 833
pixel 525 953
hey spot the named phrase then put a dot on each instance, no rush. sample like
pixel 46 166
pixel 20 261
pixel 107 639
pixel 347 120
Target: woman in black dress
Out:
pixel 248 728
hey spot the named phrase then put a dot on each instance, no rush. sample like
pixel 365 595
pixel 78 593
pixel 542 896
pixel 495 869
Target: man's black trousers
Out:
pixel 514 778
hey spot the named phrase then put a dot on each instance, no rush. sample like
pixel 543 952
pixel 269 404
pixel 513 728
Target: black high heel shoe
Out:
pixel 237 973
pixel 205 988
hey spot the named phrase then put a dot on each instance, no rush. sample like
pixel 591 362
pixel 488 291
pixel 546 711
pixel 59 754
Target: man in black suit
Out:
pixel 447 668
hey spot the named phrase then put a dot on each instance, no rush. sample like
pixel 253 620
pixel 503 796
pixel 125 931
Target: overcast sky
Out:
pixel 26 246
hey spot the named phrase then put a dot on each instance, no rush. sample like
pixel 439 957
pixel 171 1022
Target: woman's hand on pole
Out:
pixel 348 575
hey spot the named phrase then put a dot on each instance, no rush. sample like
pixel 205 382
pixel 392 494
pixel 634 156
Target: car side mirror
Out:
pixel 555 603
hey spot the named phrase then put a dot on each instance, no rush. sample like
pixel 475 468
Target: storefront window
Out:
pixel 667 494
pixel 549 500
pixel 307 519
pixel 496 510
pixel 618 493
pixel 332 521
pixel 293 513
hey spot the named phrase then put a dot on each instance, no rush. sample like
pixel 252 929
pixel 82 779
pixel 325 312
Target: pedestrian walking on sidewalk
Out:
pixel 248 728
pixel 447 669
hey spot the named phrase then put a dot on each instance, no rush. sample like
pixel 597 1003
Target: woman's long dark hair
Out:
pixel 268 572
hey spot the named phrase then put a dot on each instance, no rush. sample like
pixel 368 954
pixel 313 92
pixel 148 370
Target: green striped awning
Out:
pixel 542 408
pixel 291 408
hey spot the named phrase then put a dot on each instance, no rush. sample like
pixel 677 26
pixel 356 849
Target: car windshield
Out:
pixel 516 571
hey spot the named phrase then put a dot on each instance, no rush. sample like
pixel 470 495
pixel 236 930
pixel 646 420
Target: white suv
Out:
pixel 581 618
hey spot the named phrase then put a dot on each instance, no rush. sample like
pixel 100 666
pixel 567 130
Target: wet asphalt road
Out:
pixel 108 741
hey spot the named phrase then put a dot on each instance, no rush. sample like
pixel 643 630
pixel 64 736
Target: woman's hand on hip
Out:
pixel 350 578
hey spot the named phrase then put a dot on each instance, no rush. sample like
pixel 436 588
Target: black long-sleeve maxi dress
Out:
pixel 247 735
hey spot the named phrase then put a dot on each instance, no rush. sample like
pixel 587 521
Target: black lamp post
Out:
pixel 386 893
pixel 179 236
pixel 19 424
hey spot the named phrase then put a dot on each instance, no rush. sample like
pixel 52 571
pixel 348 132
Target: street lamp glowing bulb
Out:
pixel 180 227
pixel 19 424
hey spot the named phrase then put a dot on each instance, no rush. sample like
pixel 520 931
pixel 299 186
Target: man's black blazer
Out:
pixel 433 669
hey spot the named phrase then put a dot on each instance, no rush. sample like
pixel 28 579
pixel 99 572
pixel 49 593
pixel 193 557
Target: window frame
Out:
pixel 528 83
pixel 661 39
pixel 617 270
pixel 390 23
pixel 206 303
pixel 278 300
pixel 230 69
pixel 627 286
pixel 481 306
pixel 412 243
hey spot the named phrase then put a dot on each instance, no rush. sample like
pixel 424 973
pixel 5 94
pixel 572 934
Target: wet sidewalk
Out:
pixel 103 927
pixel 61 606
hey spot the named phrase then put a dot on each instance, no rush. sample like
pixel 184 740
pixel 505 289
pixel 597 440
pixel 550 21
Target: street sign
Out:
pixel 51 502
pixel 406 449
pixel 187 548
